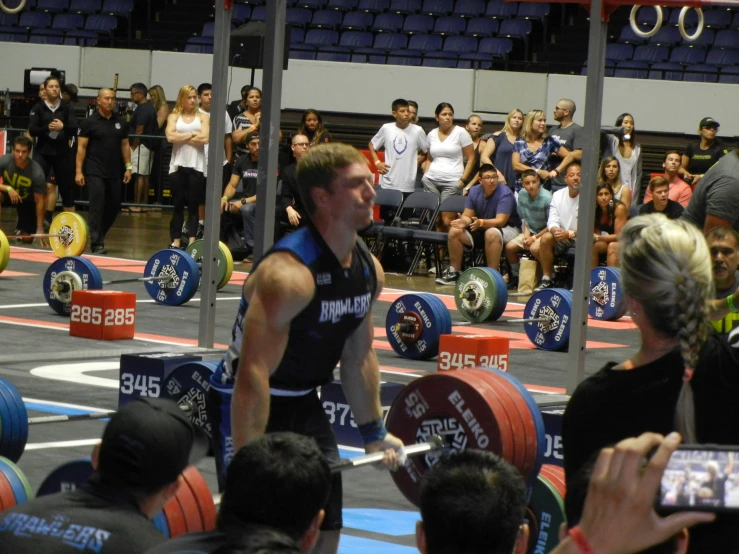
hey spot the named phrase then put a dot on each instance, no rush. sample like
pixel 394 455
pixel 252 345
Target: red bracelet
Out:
pixel 580 540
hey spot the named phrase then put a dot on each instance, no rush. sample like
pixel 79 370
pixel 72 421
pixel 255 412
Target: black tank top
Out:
pixel 342 299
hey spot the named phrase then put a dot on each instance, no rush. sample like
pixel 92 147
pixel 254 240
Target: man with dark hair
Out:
pixel 489 221
pixel 413 110
pixel 724 245
pixel 23 185
pixel 472 502
pixel 279 481
pixel 306 306
pixel 680 191
pixel 659 190
pixel 145 447
pixel 569 134
pixel 143 122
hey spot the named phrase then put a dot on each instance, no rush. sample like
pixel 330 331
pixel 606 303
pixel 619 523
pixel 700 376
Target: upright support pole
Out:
pixel 209 275
pixel 274 46
pixel 586 210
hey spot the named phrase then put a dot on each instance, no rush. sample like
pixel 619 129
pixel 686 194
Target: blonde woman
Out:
pixel 533 148
pixel 187 130
pixel 610 172
pixel 156 94
pixel 499 147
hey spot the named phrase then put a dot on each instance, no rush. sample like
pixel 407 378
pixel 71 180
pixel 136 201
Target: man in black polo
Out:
pixel 23 185
pixel 240 195
pixel 143 122
pixel 103 150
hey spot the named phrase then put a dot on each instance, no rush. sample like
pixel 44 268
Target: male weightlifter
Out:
pixel 305 307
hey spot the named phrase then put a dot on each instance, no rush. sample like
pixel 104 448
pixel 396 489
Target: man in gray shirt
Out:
pixel 715 200
pixel 23 185
pixel 570 135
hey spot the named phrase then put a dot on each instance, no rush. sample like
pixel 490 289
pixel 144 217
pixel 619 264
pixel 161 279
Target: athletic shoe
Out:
pixel 449 277
pixel 432 270
pixel 544 284
pixel 513 283
pixel 173 246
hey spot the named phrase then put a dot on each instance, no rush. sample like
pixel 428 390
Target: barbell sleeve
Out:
pixel 163 278
pixel 35 236
pixel 185 407
pixel 434 443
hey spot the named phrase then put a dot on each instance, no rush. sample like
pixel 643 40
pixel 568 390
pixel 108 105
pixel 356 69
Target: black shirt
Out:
pixel 246 168
pixel 673 210
pixel 38 125
pixel 230 538
pixel 145 114
pixel 92 519
pixel 702 160
pixel 290 191
pixel 104 157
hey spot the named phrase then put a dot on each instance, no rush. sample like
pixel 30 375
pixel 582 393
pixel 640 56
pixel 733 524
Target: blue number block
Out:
pixel 554 452
pixel 144 374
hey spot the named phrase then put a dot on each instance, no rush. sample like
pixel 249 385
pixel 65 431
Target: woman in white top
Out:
pixel 610 172
pixel 187 130
pixel 620 143
pixel 445 173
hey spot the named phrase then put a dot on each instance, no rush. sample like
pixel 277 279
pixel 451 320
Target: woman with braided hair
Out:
pixel 684 377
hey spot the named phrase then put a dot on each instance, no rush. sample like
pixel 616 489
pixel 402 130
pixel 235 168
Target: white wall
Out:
pixel 659 106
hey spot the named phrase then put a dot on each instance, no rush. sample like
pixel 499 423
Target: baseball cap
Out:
pixel 148 443
pixel 708 122
pixel 251 136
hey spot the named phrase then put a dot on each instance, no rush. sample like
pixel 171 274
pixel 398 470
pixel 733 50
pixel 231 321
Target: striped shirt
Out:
pixel 534 212
pixel 538 159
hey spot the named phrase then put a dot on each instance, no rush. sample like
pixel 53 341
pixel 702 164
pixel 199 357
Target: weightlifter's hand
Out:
pixel 393 448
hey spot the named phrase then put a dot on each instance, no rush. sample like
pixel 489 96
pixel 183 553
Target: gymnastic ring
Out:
pixel 18 8
pixel 681 24
pixel 634 27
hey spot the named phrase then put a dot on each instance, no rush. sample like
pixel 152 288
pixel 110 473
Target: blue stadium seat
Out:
pixel 240 13
pixel 515 28
pixel 685 55
pixel 691 19
pixel 425 43
pixel 460 45
pixel 405 7
pixel 356 39
pixel 666 36
pixel 85 7
pixel 391 41
pixel 333 54
pixel 388 23
pixel 35 20
pixel 440 59
pixel 437 8
pixel 46 36
pixel 668 71
pixel 297 35
pixel 404 57
pixel 326 19
pixel 482 27
pixel 81 38
pixel 119 8
pixel 418 24
pixel 729 75
pixel 628 36
pixel 717 18
pixel 322 37
pixel 609 69
pixel 52 6
pixel 101 23
pixel 373 6
pixel 536 11
pixel 728 38
pixel 701 73
pixel 499 9
pixel 721 57
pixel 449 25
pixel 469 8
pixel 259 13
pixel 342 5
pixel 199 45
pixel 735 21
pixel 632 70
pixel 647 17
pixel 295 16
pixel 498 47
pixel 311 4
pixel 357 21
pixel 8 19
pixel 297 52
pixel 369 55
pixel 703 42
pixel 475 60
pixel 617 52
pixel 651 54
pixel 13 34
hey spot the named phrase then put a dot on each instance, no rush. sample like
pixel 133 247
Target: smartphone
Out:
pixel 702 478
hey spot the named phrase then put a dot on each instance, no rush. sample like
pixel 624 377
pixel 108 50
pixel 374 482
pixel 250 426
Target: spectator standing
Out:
pixel 159 101
pixel 610 172
pixel 413 109
pixel 700 156
pixel 500 145
pixel 659 188
pixel 102 153
pixel 249 120
pixel 569 134
pixel 680 191
pixel 143 122
pixel 311 126
pixel 474 128
pixel 620 142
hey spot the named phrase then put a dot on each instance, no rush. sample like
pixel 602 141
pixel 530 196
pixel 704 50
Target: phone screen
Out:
pixel 698 479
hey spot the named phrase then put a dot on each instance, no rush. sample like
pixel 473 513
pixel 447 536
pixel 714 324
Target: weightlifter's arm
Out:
pixel 279 290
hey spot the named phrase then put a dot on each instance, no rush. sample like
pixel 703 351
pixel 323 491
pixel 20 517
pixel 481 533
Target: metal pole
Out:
pixel 209 270
pixel 586 210
pixel 274 46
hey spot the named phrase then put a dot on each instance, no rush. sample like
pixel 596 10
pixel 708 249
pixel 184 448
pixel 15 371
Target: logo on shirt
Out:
pixel 334 310
pixel 250 173
pixel 398 142
pixel 80 537
pixel 117 125
pixel 323 278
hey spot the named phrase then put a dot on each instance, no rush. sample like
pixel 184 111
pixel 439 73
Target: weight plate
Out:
pixel 533 530
pixel 184 272
pixel 203 497
pixel 557 305
pixel 73 229
pixel 7 424
pixel 7 497
pixel 87 272
pixel 66 477
pixel 189 506
pixel 609 303
pixel 541 434
pixel 160 522
pixel 548 507
pixel 556 476
pixel 455 405
pixel 479 296
pixel 190 382
pixel 229 264
pixel 420 342
pixel 197 249
pixel 4 251
pixel 442 312
pixel 19 438
pixel 175 518
pixel 12 473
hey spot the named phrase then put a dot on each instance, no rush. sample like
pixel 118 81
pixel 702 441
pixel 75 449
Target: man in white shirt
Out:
pixel 561 225
pixel 401 140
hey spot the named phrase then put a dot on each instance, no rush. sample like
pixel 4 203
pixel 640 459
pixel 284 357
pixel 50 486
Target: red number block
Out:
pixel 103 314
pixel 460 351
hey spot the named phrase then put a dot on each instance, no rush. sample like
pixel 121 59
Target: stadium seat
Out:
pixel 426 43
pixel 333 54
pixel 729 75
pixel 81 38
pixel 440 59
pixel 418 24
pixel 609 69
pixel 437 8
pixel 482 27
pixel 515 28
pixel 297 35
pixel 322 37
pixel 311 4
pixel 119 8
pixel 240 13
pixel 651 54
pixel 460 45
pixel 373 6
pixel 735 21
pixel 721 57
pixel 326 19
pixel 469 8
pixel 632 70
pixel 342 5
pixel 718 18
pixel 46 36
pixel 701 73
pixel 388 23
pixel 209 29
pixel 449 25
pixel 703 42
pixel 728 38
pixel 628 36
pixel 475 60
pixel 391 41
pixel 296 16
pixel 404 7
pixel 13 34
pixel 259 13
pixel 618 52
pixel 357 21
pixel 668 71
pixel 369 55
pixel 199 45
pixel 685 55
pixel 101 23
pixel 297 53
pixel 52 6
pixel 536 11
pixel 35 20
pixel 666 36
pixel 404 57
pixel 647 17
pixel 8 19
pixel 498 47
pixel 499 9
pixel 356 39
pixel 85 7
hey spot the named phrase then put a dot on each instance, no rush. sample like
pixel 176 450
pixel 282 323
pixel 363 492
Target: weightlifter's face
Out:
pixel 353 194
pixel 20 155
